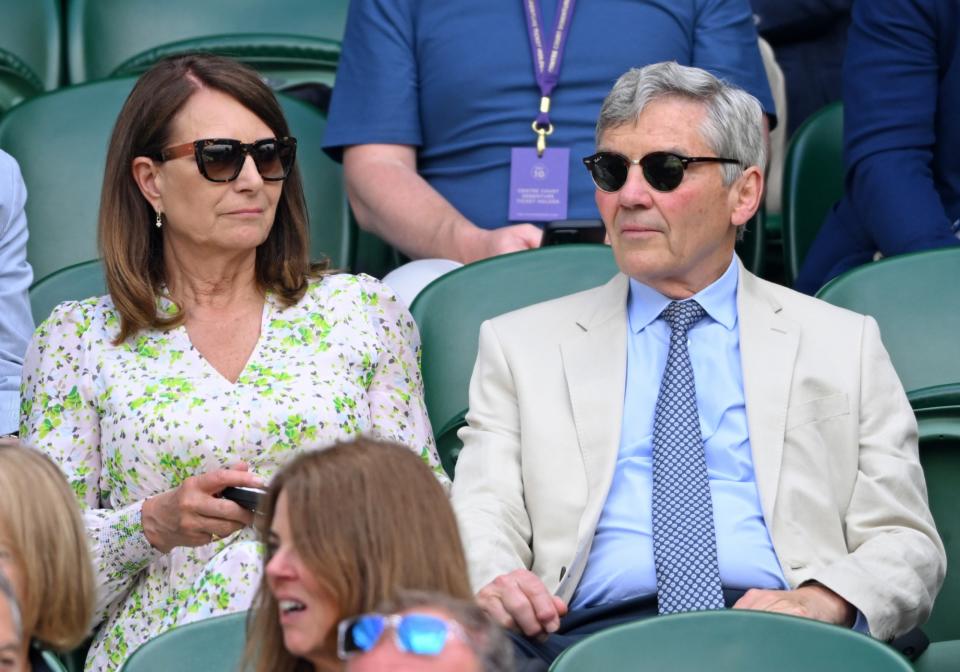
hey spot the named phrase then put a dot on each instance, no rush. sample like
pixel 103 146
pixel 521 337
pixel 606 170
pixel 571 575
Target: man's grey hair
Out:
pixel 486 638
pixel 733 127
pixel 6 591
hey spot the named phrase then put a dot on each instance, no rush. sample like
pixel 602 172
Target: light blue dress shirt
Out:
pixel 621 564
pixel 16 322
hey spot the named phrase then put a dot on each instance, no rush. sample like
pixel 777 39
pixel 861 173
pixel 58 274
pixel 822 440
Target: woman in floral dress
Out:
pixel 219 353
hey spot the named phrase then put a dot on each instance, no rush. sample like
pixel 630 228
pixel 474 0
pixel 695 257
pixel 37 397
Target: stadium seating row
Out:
pixel 893 290
pixel 46 45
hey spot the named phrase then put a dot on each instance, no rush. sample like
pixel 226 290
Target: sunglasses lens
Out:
pixel 609 171
pixel 363 633
pixel 221 159
pixel 664 172
pixel 274 158
pixel 422 634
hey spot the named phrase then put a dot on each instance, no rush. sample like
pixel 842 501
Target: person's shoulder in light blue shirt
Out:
pixel 16 322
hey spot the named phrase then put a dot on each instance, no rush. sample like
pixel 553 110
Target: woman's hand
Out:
pixel 192 515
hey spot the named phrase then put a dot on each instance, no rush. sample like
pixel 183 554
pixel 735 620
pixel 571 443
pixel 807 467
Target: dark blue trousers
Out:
pixel 532 655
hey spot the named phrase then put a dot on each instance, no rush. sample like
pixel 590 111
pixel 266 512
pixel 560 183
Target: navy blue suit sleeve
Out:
pixel 725 44
pixel 776 17
pixel 890 93
pixel 376 97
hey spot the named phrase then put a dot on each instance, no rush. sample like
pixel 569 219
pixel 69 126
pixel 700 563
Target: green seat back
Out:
pixel 107 36
pixel 73 283
pixel 919 316
pixel 53 662
pixel 751 249
pixel 812 183
pixel 60 140
pixel 212 645
pixel 730 641
pixel 939 657
pixel 285 60
pixel 30 38
pixel 450 309
pixel 940 457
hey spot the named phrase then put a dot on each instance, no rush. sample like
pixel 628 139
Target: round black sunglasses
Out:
pixel 662 170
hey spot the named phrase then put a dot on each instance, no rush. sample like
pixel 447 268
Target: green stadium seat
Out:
pixel 290 41
pixel 212 645
pixel 919 322
pixel 939 657
pixel 449 312
pixel 919 317
pixel 752 248
pixel 53 662
pixel 60 140
pixel 29 49
pixel 73 283
pixel 940 457
pixel 812 183
pixel 730 641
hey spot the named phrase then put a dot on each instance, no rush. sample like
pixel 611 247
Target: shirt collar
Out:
pixel 718 299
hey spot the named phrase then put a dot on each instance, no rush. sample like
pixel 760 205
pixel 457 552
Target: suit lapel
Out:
pixel 595 365
pixel 768 350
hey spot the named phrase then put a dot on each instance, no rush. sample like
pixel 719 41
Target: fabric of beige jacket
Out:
pixel 833 439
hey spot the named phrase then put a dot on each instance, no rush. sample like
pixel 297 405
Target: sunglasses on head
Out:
pixel 662 170
pixel 421 634
pixel 221 159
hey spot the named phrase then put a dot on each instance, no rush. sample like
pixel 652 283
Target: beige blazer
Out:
pixel 833 438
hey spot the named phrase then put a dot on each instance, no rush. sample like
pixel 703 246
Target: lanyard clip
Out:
pixel 542 134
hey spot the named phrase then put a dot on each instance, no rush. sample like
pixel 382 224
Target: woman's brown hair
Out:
pixel 41 527
pixel 368 519
pixel 130 244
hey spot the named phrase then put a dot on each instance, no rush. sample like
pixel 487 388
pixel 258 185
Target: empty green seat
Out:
pixel 29 49
pixel 919 316
pixel 212 645
pixel 449 312
pixel 919 321
pixel 289 40
pixel 812 183
pixel 730 641
pixel 940 457
pixel 73 283
pixel 60 140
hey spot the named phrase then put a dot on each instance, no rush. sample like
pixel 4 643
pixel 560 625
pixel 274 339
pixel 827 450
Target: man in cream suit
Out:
pixel 818 500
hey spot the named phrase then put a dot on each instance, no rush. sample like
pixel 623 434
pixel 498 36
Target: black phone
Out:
pixel 248 498
pixel 573 231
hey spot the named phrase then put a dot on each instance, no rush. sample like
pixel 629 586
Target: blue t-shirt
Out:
pixel 456 81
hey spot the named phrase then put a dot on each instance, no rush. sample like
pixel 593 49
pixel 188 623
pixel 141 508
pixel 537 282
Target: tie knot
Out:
pixel 681 315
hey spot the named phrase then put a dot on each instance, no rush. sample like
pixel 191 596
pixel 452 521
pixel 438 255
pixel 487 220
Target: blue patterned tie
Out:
pixel 684 540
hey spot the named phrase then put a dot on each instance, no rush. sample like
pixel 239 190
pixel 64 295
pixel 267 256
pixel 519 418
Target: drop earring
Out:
pixel 159 221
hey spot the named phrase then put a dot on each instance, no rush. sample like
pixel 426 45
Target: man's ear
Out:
pixel 146 174
pixel 745 196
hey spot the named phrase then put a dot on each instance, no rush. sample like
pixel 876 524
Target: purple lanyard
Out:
pixel 546 65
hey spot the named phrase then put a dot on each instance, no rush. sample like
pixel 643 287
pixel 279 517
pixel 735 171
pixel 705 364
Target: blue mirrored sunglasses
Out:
pixel 422 634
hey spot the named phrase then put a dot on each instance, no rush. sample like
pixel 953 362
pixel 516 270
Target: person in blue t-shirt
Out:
pixel 431 97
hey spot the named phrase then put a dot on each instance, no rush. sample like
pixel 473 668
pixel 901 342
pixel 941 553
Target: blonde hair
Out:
pixel 368 519
pixel 41 524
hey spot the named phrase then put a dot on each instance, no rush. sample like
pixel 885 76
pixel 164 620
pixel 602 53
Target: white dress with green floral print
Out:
pixel 127 422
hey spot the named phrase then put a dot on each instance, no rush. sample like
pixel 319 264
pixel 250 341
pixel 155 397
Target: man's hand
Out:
pixel 812 600
pixel 481 244
pixel 520 601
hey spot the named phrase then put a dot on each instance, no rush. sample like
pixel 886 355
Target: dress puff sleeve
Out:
pixel 60 415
